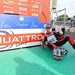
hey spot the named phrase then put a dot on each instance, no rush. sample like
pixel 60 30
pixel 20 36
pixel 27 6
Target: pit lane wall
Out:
pixel 20 31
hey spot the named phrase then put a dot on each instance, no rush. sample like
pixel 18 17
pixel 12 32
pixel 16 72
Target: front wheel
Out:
pixel 65 52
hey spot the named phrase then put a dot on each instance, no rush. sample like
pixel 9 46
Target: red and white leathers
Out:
pixel 61 39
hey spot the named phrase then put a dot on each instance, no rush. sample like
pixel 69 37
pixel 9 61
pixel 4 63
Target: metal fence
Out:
pixel 68 25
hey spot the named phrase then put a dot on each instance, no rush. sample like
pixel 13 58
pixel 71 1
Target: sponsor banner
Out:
pixel 20 38
pixel 27 8
pixel 19 31
pixel 19 22
pixel 17 38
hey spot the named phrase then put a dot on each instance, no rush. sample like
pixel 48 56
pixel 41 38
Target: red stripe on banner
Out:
pixel 20 38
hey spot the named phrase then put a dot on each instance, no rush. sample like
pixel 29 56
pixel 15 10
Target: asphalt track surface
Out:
pixel 36 61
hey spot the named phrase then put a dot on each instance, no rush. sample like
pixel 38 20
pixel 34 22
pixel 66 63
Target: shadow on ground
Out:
pixel 26 68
